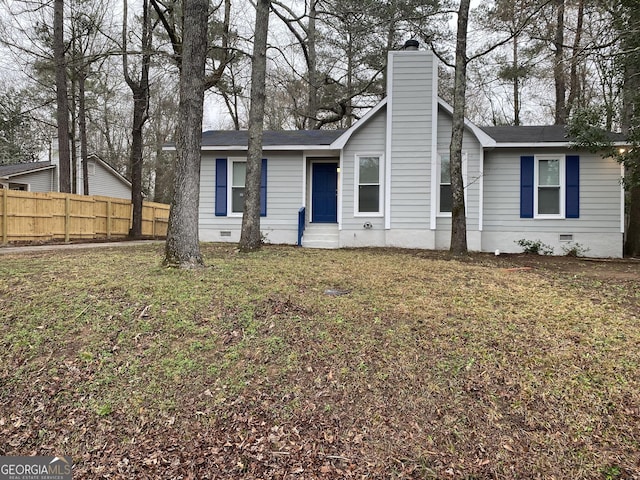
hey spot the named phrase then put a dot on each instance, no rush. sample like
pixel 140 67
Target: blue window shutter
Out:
pixel 572 205
pixel 527 165
pixel 263 189
pixel 221 187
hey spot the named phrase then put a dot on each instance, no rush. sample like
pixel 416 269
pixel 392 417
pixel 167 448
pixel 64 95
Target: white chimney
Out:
pixel 54 158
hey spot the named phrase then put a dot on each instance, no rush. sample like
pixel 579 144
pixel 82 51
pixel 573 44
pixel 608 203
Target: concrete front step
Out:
pixel 321 235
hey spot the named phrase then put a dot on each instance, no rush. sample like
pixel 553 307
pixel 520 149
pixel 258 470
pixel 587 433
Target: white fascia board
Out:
pixel 485 140
pixel 534 145
pixel 8 177
pixel 548 145
pixel 342 140
pixel 235 148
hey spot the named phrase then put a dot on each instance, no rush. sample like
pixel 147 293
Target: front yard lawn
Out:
pixel 303 364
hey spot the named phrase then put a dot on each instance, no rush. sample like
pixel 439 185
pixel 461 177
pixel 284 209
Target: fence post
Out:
pixel 67 216
pixel 109 218
pixel 5 211
pixel 153 211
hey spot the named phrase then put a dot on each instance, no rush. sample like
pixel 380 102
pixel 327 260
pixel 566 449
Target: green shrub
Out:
pixel 535 247
pixel 575 250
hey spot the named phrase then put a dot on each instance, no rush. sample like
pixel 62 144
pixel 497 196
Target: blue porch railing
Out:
pixel 301 222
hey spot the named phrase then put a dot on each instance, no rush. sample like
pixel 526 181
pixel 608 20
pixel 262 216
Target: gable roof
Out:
pixel 110 169
pixel 488 136
pixel 8 171
pixel 342 140
pixel 484 139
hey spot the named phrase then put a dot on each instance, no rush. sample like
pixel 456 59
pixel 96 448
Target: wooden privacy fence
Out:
pixel 31 216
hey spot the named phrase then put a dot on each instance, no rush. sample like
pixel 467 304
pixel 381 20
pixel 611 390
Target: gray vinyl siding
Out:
pixel 369 139
pixel 473 150
pixel 104 182
pixel 41 181
pixel 411 139
pixel 599 194
pixel 284 191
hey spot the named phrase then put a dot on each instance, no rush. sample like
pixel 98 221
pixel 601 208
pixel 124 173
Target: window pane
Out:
pixel 369 198
pixel 445 174
pixel 237 199
pixel 239 173
pixel 549 172
pixel 369 170
pixel 549 200
pixel 446 198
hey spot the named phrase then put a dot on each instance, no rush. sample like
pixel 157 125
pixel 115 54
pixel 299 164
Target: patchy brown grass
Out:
pixel 427 367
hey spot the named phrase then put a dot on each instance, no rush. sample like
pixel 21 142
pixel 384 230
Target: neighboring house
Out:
pixel 385 181
pixel 43 177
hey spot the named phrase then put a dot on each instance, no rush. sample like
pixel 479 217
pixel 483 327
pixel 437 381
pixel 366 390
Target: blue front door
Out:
pixel 324 193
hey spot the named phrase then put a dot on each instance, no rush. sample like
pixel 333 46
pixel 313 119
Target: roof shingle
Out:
pixel 535 134
pixel 239 138
pixel 18 168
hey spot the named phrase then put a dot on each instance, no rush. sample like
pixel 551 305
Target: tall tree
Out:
pixel 171 14
pixel 574 81
pixel 344 45
pixel 458 216
pixel 514 68
pixel 182 246
pixel 62 100
pixel 558 66
pixel 306 35
pixel 628 23
pixel 250 238
pixel 140 90
pixel 19 140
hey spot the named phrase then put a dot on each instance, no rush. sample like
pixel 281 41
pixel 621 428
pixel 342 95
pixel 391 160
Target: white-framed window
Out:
pixel 549 186
pixel 91 168
pixel 237 173
pixel 22 187
pixel 444 192
pixel 368 185
pixel 445 197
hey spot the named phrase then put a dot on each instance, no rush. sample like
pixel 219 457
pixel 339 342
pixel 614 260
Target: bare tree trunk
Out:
pixel 140 90
pixel 632 243
pixel 250 235
pixel 183 247
pixel 312 67
pixel 140 103
pixel 82 126
pixel 574 81
pixel 349 102
pixel 458 215
pixel 558 66
pixel 231 99
pixel 630 110
pixel 62 100
pixel 516 83
pixel 73 135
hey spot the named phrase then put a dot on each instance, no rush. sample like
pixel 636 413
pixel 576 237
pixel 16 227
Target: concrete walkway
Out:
pixel 74 246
